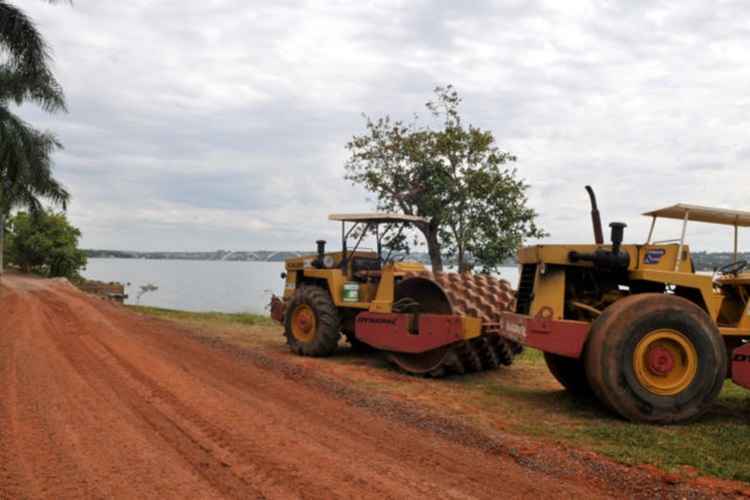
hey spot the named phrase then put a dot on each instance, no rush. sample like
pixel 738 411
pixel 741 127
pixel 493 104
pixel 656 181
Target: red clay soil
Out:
pixel 97 401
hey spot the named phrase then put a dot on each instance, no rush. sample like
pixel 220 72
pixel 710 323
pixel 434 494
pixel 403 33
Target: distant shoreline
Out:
pixel 218 255
pixel 704 261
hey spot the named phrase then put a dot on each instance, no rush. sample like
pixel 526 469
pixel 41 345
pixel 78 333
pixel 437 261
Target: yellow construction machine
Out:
pixel 635 324
pixel 428 323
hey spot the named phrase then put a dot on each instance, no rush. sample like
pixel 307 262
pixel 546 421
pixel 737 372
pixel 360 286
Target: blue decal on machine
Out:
pixel 654 256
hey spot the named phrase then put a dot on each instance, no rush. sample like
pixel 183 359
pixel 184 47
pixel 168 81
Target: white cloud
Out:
pixel 222 124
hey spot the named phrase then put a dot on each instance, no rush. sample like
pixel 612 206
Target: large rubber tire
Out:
pixel 570 372
pixel 323 337
pixel 614 340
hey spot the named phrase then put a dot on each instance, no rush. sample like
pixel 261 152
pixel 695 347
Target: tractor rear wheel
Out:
pixel 655 358
pixel 312 324
pixel 570 372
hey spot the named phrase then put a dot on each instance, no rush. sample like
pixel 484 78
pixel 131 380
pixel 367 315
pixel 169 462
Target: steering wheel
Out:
pixel 732 268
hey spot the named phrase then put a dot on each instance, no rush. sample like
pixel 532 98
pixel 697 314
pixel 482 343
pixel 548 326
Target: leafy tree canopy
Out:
pixel 45 243
pixel 455 176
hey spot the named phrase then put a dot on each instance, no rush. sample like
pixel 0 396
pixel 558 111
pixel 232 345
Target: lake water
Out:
pixel 194 285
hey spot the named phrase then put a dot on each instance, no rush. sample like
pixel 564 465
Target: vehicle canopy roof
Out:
pixel 697 213
pixel 377 218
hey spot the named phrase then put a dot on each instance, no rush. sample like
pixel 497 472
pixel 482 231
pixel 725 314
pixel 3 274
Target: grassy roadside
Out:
pixel 717 444
pixel 207 318
pixel 526 400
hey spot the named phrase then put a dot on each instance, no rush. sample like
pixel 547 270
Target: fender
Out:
pixel 561 336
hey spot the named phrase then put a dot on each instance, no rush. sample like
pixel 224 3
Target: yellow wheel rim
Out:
pixel 303 323
pixel 665 362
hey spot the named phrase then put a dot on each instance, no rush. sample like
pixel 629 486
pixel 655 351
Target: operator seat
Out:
pixel 366 267
pixel 736 290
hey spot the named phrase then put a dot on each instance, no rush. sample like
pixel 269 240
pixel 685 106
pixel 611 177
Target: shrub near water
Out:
pixel 45 243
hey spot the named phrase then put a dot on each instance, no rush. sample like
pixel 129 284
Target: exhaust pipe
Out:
pixel 618 230
pixel 613 260
pixel 321 249
pixel 595 219
pixel 318 262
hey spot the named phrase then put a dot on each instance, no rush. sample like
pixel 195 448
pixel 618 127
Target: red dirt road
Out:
pixel 96 401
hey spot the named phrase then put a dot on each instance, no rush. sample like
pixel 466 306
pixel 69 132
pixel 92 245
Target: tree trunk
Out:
pixel 433 246
pixel 2 240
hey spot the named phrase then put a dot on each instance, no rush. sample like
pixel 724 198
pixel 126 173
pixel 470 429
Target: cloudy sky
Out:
pixel 222 123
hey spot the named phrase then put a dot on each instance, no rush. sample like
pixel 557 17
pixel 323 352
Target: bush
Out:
pixel 45 243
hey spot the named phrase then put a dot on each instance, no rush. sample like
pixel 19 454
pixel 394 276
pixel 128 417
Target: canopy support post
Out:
pixel 343 240
pixel 682 241
pixel 651 231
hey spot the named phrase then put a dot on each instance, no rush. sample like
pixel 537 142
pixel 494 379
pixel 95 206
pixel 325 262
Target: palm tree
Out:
pixel 25 153
pixel 26 170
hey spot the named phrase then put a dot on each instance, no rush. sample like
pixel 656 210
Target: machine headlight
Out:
pixel 328 261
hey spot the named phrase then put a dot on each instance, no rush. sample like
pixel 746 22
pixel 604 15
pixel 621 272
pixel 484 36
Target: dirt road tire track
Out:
pixel 96 401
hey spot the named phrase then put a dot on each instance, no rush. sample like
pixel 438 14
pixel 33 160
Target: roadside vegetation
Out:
pixel 44 243
pixel 452 174
pixel 716 444
pixel 522 400
pixel 206 318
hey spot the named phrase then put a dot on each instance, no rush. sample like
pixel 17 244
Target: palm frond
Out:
pixel 27 69
pixel 26 153
pixel 26 165
pixel 41 88
pixel 14 135
pixel 20 38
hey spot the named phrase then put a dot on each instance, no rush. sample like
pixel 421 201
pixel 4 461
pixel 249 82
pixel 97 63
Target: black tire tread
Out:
pixel 569 372
pixel 604 369
pixel 328 322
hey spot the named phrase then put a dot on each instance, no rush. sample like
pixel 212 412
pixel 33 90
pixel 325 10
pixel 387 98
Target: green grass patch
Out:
pixel 716 444
pixel 531 356
pixel 217 318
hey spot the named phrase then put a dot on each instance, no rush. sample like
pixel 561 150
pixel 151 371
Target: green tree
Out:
pixel 454 176
pixel 25 153
pixel 45 243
